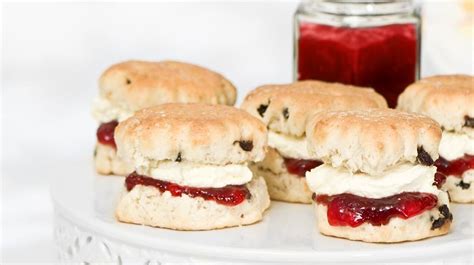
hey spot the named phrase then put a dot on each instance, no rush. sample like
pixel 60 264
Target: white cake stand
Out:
pixel 87 232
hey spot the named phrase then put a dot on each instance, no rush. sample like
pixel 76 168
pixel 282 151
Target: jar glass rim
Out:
pixel 358 8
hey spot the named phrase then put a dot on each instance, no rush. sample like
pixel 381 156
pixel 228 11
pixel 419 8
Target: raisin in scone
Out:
pixel 133 85
pixel 191 169
pixel 285 109
pixel 449 99
pixel 377 182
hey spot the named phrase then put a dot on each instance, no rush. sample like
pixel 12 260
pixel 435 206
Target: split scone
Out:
pixel 285 109
pixel 377 180
pixel 449 100
pixel 191 168
pixel 133 85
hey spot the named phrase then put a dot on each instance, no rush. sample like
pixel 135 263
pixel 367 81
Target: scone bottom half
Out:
pixel 175 187
pixel 456 176
pixel 384 203
pixel 153 202
pixel 285 177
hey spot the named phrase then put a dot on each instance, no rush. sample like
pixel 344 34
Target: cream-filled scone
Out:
pixel 448 99
pixel 377 183
pixel 191 167
pixel 285 109
pixel 133 85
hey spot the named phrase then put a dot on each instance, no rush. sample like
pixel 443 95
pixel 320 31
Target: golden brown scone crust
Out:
pixel 448 99
pixel 134 85
pixel 371 140
pixel 397 230
pixel 285 108
pixel 210 134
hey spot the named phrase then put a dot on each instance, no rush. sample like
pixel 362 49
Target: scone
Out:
pixel 449 100
pixel 285 109
pixel 133 85
pixel 377 180
pixel 191 168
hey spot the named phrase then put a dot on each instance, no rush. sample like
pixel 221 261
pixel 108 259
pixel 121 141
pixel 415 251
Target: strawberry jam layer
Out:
pixel 439 179
pixel 300 166
pixel 105 133
pixel 230 195
pixel 352 210
pixel 455 167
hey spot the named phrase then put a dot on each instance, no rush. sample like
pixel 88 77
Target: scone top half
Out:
pixel 378 174
pixel 370 141
pixel 285 109
pixel 192 143
pixel 133 85
pixel 449 99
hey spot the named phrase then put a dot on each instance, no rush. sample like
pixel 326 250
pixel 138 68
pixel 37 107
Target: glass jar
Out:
pixel 365 43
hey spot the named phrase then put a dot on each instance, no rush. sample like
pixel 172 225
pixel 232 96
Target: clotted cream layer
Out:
pixel 401 178
pixel 104 111
pixel 455 145
pixel 289 146
pixel 198 175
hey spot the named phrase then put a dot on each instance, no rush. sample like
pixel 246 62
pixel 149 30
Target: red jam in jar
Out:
pixel 299 167
pixel 346 43
pixel 105 133
pixel 230 195
pixel 352 210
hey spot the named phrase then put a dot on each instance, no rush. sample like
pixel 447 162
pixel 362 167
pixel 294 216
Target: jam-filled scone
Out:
pixel 191 168
pixel 377 180
pixel 449 100
pixel 285 109
pixel 133 85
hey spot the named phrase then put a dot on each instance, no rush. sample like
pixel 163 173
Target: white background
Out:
pixel 53 54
